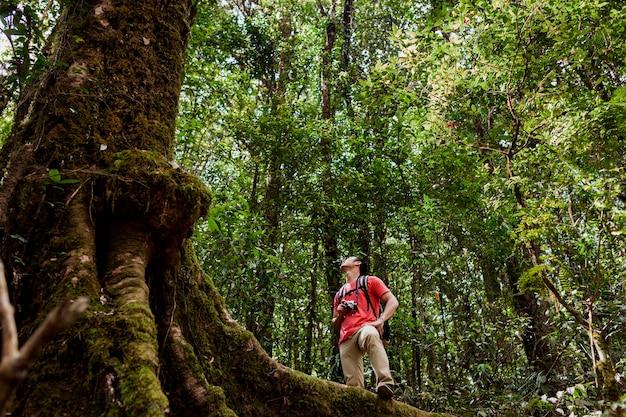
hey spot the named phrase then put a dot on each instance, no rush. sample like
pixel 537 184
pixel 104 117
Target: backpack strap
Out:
pixel 342 292
pixel 363 284
pixel 360 283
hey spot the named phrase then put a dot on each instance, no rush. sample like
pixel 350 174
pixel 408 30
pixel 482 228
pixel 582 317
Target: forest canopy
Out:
pixel 472 151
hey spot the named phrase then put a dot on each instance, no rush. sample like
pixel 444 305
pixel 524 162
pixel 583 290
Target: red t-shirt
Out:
pixel 353 320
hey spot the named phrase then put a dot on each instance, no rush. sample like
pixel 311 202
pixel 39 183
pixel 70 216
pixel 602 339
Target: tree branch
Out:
pixel 9 331
pixel 580 319
pixel 15 362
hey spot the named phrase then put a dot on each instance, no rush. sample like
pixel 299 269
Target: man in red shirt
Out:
pixel 360 327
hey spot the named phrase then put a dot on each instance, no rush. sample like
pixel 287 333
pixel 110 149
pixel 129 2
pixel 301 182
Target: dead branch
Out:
pixel 15 362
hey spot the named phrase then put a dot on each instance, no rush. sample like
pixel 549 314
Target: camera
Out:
pixel 350 305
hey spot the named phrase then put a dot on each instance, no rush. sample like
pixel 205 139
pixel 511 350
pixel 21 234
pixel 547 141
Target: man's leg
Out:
pixel 352 362
pixel 370 341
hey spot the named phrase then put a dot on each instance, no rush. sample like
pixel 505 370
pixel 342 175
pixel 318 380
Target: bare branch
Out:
pixel 14 363
pixel 59 320
pixel 9 332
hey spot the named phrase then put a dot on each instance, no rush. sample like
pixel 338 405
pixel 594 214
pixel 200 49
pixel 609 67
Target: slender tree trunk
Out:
pixel 417 309
pixel 490 280
pixel 536 341
pixel 330 30
pixel 312 319
pixel 260 312
pixel 327 218
pixel 346 50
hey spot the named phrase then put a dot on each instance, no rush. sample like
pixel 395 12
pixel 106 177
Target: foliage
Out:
pixel 473 150
pixel 24 26
pixel 462 134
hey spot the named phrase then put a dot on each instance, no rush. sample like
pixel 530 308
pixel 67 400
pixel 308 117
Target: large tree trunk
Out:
pixel 91 204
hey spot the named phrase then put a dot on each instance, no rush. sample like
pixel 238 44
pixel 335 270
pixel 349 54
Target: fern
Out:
pixel 531 280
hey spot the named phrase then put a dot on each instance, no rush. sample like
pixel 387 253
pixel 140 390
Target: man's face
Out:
pixel 350 263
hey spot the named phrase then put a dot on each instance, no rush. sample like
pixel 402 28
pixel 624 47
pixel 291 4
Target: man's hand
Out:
pixel 378 324
pixel 342 308
pixel 391 305
pixel 340 313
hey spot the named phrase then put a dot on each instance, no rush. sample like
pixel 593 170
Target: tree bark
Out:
pixel 326 219
pixel 535 341
pixel 417 309
pixel 15 362
pixel 92 204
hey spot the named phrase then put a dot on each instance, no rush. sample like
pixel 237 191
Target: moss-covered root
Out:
pixel 296 394
pixel 193 395
pixel 134 360
pixel 304 392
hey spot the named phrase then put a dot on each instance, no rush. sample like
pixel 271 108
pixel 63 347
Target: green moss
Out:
pixel 129 94
pixel 121 346
pixel 532 279
pixel 141 392
pixel 145 185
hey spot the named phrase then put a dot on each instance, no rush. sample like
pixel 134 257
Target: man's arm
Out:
pixel 391 305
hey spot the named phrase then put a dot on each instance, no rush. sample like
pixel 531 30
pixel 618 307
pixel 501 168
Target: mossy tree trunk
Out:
pixel 92 204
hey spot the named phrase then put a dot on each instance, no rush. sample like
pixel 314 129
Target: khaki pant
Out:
pixel 365 340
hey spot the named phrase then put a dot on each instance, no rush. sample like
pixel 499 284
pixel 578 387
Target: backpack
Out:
pixel 362 283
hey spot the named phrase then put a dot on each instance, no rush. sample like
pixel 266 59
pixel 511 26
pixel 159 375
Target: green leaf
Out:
pixel 54 175
pixel 213 225
pixel 69 181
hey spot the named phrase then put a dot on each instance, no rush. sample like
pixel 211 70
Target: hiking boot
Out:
pixel 385 391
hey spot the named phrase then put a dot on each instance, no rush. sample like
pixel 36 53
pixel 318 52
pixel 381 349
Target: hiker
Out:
pixel 359 321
